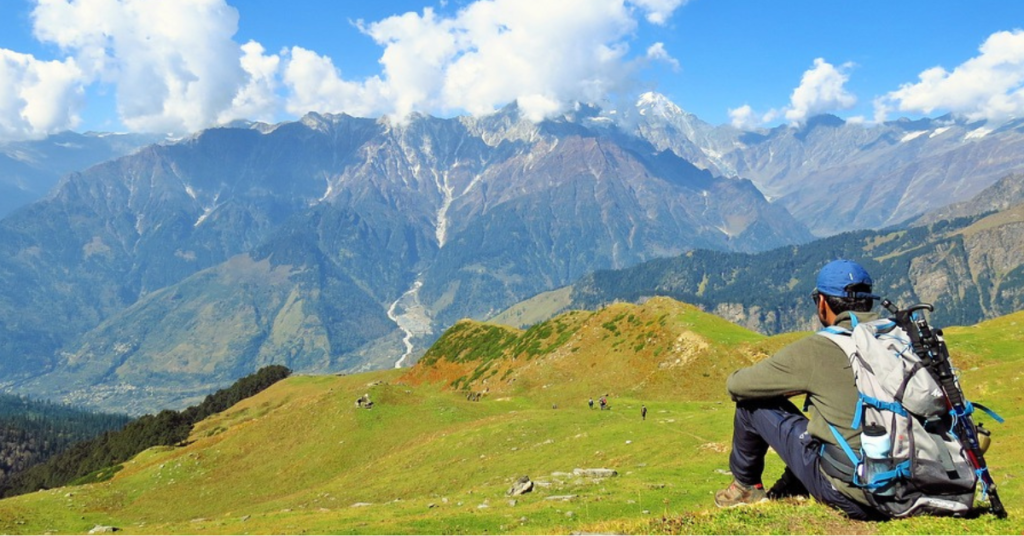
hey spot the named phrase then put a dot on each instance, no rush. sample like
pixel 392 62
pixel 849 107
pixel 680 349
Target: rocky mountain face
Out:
pixel 334 244
pixel 30 169
pixel 836 176
pixel 1004 194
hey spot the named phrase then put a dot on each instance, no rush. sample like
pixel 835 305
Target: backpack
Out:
pixel 927 470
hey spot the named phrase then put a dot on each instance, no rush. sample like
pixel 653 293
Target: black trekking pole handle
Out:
pixel 931 349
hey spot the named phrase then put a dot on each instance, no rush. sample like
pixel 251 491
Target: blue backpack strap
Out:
pixel 836 330
pixel 853 319
pixel 902 470
pixel 970 409
pixel 894 407
pixel 845 446
pixel 885 326
pixel 981 474
pixel 858 415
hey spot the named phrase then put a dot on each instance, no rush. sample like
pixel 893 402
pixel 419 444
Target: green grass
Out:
pixel 101 475
pixel 300 456
pixel 715 328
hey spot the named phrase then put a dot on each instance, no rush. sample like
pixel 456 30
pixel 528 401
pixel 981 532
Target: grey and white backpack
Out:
pixel 924 469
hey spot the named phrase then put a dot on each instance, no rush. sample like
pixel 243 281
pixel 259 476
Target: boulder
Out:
pixel 521 486
pixel 595 473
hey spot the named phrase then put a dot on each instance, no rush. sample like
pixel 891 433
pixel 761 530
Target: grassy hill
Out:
pixel 301 457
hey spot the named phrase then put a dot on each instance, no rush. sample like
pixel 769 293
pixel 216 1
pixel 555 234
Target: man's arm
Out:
pixel 784 374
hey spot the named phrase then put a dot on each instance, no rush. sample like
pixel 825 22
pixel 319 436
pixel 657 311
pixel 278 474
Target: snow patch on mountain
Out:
pixel 913 135
pixel 657 103
pixel 207 211
pixel 447 196
pixel 329 191
pixel 977 133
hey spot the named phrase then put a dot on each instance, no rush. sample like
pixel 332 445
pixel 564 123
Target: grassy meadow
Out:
pixel 300 457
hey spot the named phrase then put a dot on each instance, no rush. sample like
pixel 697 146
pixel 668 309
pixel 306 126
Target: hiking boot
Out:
pixel 788 485
pixel 739 494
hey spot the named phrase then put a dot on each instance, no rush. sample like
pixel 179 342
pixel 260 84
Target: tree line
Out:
pixel 93 459
pixel 32 431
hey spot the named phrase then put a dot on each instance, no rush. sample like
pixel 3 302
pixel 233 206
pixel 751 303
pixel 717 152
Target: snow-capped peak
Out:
pixel 657 104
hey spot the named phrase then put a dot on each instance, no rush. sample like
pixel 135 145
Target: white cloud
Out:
pixel 743 117
pixel 258 99
pixel 989 86
pixel 417 50
pixel 173 62
pixel 657 52
pixel 536 51
pixel 545 55
pixel 820 91
pixel 173 65
pixel 658 11
pixel 316 86
pixel 37 97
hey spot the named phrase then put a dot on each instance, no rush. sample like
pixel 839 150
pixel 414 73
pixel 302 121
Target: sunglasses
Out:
pixel 814 296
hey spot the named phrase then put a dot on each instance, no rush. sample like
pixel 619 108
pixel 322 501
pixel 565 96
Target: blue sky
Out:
pixel 180 65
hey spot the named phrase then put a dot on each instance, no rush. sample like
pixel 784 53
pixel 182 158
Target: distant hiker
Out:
pixel 818 368
pixel 643 413
pixel 591 402
pixel 603 402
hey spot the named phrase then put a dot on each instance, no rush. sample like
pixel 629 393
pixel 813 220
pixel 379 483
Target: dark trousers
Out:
pixel 779 424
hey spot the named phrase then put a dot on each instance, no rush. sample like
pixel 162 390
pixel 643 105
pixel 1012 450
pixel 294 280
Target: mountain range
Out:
pixel 967 268
pixel 836 176
pixel 341 244
pixel 31 169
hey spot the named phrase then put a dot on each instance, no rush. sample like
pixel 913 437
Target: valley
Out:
pixel 302 457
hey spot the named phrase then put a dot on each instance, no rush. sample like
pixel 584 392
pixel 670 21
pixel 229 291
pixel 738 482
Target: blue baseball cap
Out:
pixel 836 276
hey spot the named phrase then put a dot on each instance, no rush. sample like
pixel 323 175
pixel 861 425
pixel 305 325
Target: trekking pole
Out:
pixel 930 347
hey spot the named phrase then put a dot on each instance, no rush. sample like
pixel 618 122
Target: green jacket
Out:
pixel 816 367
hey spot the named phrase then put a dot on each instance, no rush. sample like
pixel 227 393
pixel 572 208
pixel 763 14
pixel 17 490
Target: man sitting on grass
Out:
pixel 816 367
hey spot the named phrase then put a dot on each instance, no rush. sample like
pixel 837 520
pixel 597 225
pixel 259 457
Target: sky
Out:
pixel 178 66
